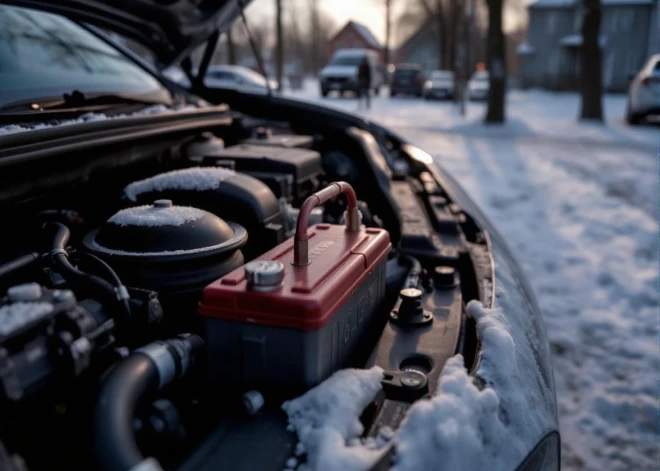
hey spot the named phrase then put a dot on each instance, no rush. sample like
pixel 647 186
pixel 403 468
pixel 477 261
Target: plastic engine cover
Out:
pixel 295 331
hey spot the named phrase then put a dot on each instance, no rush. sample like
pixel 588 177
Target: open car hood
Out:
pixel 169 28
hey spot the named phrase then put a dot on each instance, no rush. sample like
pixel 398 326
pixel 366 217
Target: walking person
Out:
pixel 364 83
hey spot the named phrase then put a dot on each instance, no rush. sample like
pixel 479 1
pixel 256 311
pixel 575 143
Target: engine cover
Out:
pixel 276 323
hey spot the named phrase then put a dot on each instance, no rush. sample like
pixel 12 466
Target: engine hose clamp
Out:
pixel 55 252
pixel 162 357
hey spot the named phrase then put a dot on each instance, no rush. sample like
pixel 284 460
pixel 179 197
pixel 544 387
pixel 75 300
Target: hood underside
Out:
pixel 171 29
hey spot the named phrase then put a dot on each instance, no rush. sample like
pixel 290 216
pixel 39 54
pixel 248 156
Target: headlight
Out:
pixel 428 84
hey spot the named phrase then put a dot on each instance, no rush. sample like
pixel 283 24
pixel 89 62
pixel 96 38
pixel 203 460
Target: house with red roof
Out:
pixel 354 36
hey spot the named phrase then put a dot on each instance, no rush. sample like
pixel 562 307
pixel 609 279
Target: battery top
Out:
pixel 340 262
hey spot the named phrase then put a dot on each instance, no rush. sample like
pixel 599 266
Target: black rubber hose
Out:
pixel 135 378
pixel 18 263
pixel 98 286
pixel 101 264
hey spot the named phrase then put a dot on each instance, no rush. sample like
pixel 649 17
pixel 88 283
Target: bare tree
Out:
pixel 591 86
pixel 388 30
pixel 437 10
pixel 279 44
pixel 315 35
pixel 496 63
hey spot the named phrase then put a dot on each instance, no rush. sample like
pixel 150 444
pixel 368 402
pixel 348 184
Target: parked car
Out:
pixel 341 73
pixel 407 79
pixel 478 86
pixel 440 84
pixel 164 288
pixel 644 92
pixel 237 77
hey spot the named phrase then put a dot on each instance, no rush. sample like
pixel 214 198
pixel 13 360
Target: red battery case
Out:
pixel 299 334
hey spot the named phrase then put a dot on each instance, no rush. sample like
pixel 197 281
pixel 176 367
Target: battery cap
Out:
pixel 264 275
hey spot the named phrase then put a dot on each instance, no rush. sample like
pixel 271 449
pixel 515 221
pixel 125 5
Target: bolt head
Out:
pixel 412 294
pixel 413 379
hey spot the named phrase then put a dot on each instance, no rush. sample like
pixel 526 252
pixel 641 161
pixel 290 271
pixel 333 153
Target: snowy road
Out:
pixel 579 204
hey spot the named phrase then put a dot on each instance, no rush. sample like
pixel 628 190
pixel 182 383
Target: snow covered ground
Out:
pixel 579 204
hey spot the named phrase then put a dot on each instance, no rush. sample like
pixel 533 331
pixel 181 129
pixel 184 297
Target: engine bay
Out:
pixel 162 301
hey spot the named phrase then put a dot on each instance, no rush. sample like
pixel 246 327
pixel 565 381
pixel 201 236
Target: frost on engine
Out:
pixel 294 316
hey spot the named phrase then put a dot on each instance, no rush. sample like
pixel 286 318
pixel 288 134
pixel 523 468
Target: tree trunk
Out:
pixel 591 86
pixel 231 49
pixel 442 41
pixel 279 52
pixel 496 63
pixel 388 31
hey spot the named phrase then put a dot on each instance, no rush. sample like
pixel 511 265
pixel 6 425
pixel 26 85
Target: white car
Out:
pixel 238 78
pixel 478 86
pixel 440 84
pixel 644 92
pixel 341 73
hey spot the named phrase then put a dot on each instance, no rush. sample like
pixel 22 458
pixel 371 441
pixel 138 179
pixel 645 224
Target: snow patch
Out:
pixel 151 216
pixel 459 427
pixel 89 118
pixel 327 421
pixel 194 179
pixel 467 427
pixel 239 234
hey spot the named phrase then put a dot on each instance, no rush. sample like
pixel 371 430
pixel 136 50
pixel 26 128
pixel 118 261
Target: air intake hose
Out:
pixel 137 378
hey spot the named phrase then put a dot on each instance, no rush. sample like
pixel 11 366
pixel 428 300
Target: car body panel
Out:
pixel 644 90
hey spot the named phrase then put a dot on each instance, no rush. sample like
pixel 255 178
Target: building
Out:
pixel 550 56
pixel 354 36
pixel 422 47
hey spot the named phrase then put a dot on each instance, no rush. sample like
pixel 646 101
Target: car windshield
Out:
pixel 346 60
pixel 43 55
pixel 406 73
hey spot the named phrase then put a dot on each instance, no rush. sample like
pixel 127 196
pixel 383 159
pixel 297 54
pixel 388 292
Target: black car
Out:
pixel 407 79
pixel 177 264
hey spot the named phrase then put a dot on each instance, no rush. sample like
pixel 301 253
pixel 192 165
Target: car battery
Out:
pixel 291 173
pixel 289 319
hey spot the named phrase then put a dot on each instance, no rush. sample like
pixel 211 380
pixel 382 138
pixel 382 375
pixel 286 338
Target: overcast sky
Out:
pixel 368 12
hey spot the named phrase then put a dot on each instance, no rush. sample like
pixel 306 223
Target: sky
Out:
pixel 368 12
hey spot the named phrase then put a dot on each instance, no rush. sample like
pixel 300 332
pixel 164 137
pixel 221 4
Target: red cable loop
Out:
pixel 318 198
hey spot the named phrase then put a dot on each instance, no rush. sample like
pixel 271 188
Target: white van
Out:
pixel 341 73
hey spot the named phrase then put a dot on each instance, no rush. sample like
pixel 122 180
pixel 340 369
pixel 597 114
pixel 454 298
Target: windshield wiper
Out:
pixel 76 101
